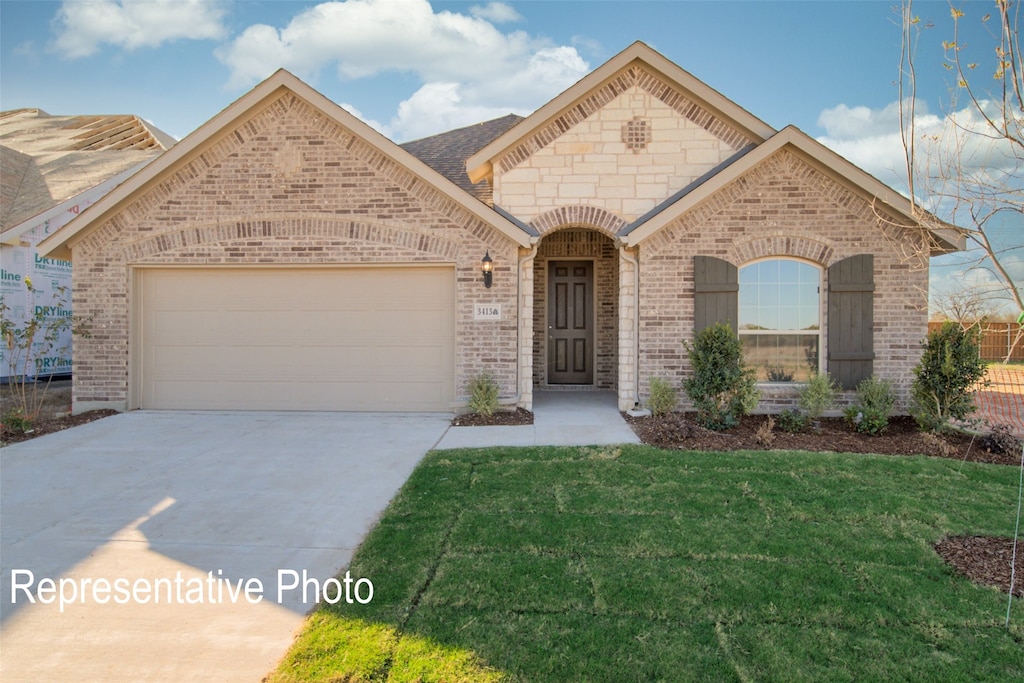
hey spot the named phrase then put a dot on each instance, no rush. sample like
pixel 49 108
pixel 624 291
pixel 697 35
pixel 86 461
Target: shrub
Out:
pixel 945 377
pixel 483 394
pixel 765 435
pixel 870 413
pixel 26 343
pixel 1001 441
pixel 722 388
pixel 818 395
pixel 663 398
pixel 792 421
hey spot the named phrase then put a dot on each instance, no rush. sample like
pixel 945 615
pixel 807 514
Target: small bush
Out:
pixel 722 387
pixel 870 413
pixel 663 398
pixel 483 394
pixel 16 422
pixel 818 395
pixel 792 421
pixel 945 377
pixel 1001 441
pixel 765 435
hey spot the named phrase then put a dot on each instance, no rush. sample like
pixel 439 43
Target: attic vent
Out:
pixel 636 134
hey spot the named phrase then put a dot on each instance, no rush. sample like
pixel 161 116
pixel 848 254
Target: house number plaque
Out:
pixel 487 312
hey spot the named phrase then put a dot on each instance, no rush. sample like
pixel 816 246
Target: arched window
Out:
pixel 780 319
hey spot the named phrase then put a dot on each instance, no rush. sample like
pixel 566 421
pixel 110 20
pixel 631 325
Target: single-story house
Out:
pixel 287 256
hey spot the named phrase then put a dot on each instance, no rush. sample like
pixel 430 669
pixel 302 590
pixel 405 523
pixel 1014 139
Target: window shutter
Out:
pixel 851 318
pixel 716 293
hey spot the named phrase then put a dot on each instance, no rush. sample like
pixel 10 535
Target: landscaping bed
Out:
pixel 902 437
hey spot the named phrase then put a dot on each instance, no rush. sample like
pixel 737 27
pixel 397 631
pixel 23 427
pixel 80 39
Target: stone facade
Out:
pixel 596 161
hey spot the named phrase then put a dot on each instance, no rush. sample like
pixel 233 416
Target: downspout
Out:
pixel 636 320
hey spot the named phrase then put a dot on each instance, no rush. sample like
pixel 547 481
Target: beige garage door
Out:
pixel 297 339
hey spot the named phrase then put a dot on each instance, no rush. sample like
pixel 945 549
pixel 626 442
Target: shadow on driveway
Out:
pixel 201 501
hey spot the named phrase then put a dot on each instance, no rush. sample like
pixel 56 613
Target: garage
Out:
pixel 295 338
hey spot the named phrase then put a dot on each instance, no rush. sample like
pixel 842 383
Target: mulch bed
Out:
pixel 53 424
pixel 502 418
pixel 985 560
pixel 902 437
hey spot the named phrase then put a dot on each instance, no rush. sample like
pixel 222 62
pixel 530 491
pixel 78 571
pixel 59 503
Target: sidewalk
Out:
pixel 560 418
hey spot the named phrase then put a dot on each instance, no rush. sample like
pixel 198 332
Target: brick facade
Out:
pixel 782 208
pixel 585 245
pixel 289 187
pixel 287 184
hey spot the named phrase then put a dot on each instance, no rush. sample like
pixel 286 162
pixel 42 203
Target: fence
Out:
pixel 996 340
pixel 1002 401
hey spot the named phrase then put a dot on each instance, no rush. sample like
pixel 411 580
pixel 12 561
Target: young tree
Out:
pixel 971 171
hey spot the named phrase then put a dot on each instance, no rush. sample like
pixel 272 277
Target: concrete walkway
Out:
pixel 560 418
pixel 201 501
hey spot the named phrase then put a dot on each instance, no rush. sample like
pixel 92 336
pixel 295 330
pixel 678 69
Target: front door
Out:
pixel 570 322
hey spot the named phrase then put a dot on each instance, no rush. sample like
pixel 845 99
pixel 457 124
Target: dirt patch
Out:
pixel 985 560
pixel 48 425
pixel 503 418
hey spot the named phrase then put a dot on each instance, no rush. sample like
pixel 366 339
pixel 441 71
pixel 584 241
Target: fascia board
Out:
pixel 209 133
pixel 822 158
pixel 479 165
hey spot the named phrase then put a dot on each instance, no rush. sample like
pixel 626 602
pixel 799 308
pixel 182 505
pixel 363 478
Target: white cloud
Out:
pixel 495 12
pixel 870 138
pixel 954 151
pixel 469 69
pixel 956 144
pixel 83 25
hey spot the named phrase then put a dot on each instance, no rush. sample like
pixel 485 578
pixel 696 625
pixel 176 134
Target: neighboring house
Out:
pixel 51 169
pixel 287 256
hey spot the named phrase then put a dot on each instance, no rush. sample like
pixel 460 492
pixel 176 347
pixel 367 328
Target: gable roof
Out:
pixel 62 242
pixel 447 152
pixel 947 239
pixel 479 165
pixel 48 160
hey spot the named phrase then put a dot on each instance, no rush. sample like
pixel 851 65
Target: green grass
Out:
pixel 635 564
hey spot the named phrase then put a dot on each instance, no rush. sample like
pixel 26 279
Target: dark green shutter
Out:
pixel 851 319
pixel 716 293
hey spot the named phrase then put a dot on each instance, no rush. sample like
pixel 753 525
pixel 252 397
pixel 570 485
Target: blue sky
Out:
pixel 413 68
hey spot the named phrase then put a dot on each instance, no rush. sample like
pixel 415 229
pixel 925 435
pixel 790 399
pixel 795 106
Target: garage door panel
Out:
pixel 298 339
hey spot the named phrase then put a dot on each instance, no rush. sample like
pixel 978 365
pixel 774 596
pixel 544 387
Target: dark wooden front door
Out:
pixel 570 322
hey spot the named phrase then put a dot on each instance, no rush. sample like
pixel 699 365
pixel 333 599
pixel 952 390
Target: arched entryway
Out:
pixel 576 310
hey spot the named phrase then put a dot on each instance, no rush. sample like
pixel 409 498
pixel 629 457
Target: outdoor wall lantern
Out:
pixel 487 268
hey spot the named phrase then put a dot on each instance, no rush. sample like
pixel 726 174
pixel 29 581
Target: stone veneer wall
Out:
pixel 783 207
pixel 593 153
pixel 289 186
pixel 586 245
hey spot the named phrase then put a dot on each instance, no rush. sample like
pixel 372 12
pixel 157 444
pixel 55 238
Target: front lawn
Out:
pixel 637 564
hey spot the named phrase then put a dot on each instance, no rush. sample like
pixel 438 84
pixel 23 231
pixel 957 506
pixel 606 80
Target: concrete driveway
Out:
pixel 146 522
